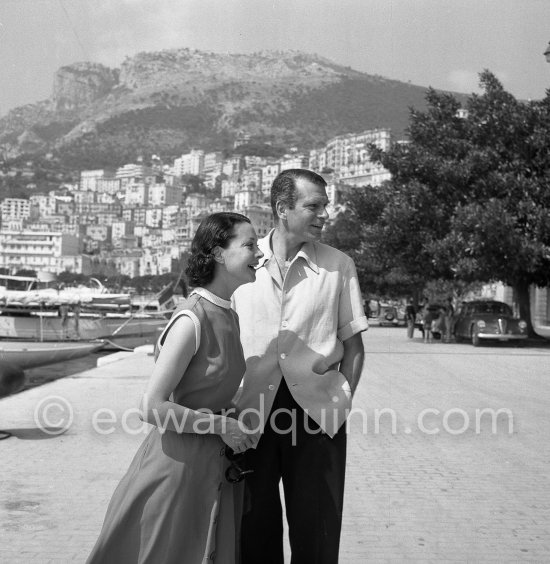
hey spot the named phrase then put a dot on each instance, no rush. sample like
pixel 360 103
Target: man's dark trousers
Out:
pixel 312 468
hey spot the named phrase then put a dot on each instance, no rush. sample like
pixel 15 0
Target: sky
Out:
pixel 440 43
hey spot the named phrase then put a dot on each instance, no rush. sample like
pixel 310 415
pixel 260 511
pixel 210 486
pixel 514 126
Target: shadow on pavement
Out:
pixel 35 433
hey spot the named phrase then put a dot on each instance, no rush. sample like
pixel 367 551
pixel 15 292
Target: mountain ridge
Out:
pixel 172 100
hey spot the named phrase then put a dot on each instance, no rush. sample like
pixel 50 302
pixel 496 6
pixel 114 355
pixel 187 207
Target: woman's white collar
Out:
pixel 208 295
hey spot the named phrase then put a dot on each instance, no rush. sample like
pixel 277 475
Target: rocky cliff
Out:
pixel 80 84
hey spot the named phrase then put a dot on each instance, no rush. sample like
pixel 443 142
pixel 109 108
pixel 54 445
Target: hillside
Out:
pixel 171 101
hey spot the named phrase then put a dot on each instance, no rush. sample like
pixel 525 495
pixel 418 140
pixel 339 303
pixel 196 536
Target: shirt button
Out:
pixel 284 324
pixel 283 356
pixel 271 387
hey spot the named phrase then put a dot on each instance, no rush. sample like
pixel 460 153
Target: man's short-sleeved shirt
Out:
pixel 294 328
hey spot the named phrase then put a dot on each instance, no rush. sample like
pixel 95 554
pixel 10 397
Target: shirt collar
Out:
pixel 307 251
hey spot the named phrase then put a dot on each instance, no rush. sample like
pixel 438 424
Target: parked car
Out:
pixel 388 315
pixel 488 320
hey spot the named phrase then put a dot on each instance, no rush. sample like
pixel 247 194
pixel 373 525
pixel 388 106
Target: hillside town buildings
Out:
pixel 138 219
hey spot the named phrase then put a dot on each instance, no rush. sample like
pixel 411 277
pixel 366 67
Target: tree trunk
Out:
pixel 522 292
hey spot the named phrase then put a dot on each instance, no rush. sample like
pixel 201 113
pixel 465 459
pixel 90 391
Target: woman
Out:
pixel 178 502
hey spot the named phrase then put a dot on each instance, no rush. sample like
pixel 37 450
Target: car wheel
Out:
pixel 476 341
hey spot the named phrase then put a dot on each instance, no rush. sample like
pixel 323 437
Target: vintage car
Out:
pixel 488 320
pixel 390 315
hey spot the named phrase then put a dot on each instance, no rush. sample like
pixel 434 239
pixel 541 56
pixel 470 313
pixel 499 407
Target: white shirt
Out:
pixel 295 329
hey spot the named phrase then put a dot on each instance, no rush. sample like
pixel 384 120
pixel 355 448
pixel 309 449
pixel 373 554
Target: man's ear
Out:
pixel 218 255
pixel 281 209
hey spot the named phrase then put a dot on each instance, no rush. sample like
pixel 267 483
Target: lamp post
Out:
pixel 547 53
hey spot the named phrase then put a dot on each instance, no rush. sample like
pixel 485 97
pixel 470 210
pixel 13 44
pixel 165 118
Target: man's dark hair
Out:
pixel 283 188
pixel 216 230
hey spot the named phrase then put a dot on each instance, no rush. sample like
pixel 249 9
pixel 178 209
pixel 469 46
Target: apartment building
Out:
pixel 161 194
pixel 294 161
pixel 230 186
pixel 36 250
pixel 42 205
pixel 248 197
pixel 348 156
pixel 251 179
pixel 136 194
pixel 134 173
pixel 190 163
pixel 90 180
pixel 153 217
pixel 269 172
pixel 261 218
pixel 233 166
pixel 213 162
pixel 221 205
pixel 15 208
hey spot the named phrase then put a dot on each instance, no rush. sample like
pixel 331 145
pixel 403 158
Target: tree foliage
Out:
pixel 469 198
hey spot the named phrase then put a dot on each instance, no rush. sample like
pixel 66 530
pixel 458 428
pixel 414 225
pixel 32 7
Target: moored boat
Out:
pixel 31 312
pixel 29 354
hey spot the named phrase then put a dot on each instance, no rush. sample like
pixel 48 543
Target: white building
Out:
pixel 134 173
pixel 164 195
pixel 261 218
pixel 89 179
pixel 269 172
pixel 15 208
pixel 153 217
pixel 42 205
pixel 294 161
pixel 247 198
pixel 348 156
pixel 36 250
pixel 230 186
pixel 213 162
pixel 136 194
pixel 190 163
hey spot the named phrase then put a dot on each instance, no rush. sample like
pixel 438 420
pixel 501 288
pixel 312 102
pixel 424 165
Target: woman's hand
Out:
pixel 236 435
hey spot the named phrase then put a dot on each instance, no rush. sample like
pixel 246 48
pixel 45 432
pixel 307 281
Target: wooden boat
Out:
pixel 34 313
pixel 28 354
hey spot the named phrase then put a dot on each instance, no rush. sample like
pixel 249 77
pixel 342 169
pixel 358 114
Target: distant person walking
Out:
pixel 427 320
pixel 449 314
pixel 410 317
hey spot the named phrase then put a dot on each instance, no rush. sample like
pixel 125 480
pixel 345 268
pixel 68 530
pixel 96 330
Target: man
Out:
pixel 449 314
pixel 410 317
pixel 301 324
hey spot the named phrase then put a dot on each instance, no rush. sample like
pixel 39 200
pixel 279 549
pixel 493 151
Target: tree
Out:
pixel 469 198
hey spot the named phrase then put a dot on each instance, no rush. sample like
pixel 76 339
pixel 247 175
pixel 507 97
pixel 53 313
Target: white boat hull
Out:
pixel 29 354
pixel 118 331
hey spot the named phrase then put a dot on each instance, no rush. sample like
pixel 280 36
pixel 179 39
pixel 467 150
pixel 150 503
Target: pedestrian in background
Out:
pixel 449 314
pixel 410 317
pixel 427 319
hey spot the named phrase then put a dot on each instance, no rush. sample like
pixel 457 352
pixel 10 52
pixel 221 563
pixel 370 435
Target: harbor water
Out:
pixel 43 374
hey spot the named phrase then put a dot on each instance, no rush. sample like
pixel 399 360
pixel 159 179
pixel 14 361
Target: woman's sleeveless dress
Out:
pixel 174 504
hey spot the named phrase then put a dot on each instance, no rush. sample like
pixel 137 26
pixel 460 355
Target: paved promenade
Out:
pixel 412 495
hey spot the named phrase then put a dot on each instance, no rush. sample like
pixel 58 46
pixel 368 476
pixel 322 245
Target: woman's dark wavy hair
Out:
pixel 216 230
